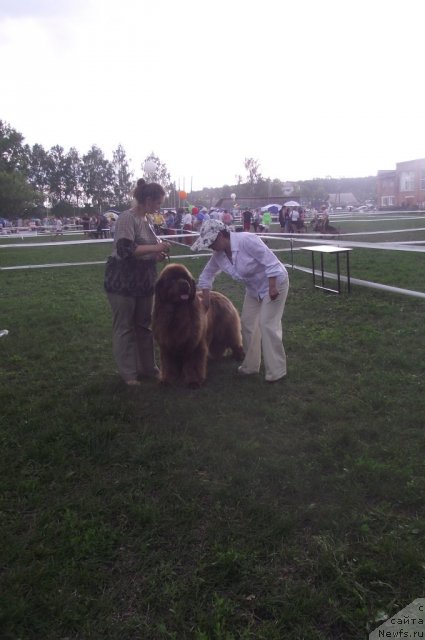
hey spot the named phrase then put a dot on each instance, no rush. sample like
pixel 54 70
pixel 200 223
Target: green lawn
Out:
pixel 240 511
pixel 370 223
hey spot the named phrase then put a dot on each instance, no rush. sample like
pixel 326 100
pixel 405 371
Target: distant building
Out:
pixel 403 186
pixel 342 200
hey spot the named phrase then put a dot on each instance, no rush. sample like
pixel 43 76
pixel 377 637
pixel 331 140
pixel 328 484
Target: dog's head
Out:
pixel 175 284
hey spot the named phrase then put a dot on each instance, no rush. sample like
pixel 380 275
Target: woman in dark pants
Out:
pixel 129 283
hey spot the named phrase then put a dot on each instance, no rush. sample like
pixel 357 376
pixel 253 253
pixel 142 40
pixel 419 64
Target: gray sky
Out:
pixel 308 88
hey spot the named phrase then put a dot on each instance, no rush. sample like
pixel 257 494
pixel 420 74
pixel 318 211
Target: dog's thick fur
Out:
pixel 186 333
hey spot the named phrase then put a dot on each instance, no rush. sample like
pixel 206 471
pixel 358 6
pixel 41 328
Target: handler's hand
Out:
pixel 163 247
pixel 273 292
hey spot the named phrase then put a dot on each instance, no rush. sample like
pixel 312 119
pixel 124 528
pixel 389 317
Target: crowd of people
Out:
pixel 187 220
pixel 292 219
pixel 190 220
pixel 94 226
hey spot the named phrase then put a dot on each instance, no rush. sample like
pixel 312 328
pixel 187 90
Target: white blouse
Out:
pixel 252 263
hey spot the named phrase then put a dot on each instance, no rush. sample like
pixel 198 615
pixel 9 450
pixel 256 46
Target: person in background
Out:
pixel 246 258
pixel 197 218
pixel 187 225
pixel 295 216
pixel 325 217
pixel 288 223
pixel 266 220
pixel 227 218
pixel 158 222
pixel 102 226
pixel 170 219
pixel 129 283
pixel 247 219
pixel 86 224
pixel 179 217
pixel 301 218
pixel 58 227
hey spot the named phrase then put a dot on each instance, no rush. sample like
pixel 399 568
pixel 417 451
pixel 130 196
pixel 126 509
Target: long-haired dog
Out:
pixel 186 332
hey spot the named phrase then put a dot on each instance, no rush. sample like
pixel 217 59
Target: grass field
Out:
pixel 240 511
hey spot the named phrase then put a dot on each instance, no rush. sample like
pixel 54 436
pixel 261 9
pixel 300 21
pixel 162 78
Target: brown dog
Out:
pixel 186 333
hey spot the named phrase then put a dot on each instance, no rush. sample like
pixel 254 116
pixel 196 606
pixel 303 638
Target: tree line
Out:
pixel 33 178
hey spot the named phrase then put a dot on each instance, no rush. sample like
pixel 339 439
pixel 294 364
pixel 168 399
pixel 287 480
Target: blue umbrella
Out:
pixel 273 208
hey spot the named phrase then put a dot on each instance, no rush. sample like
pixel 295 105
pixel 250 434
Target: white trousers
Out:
pixel 262 331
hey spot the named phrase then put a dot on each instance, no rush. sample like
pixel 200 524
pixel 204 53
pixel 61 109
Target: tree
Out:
pixel 97 177
pixel 73 176
pixel 16 196
pixel 122 177
pixel 14 155
pixel 252 166
pixel 56 163
pixel 37 171
pixel 160 175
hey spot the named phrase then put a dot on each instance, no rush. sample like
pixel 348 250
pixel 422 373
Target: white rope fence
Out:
pixel 312 238
pixel 323 239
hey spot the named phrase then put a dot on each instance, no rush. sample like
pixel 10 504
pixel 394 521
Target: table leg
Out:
pixel 338 273
pixel 312 268
pixel 323 272
pixel 348 272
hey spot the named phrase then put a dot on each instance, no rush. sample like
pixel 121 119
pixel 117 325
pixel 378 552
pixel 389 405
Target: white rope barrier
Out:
pixel 51 264
pixel 367 283
pixel 83 264
pixel 406 242
pixel 372 233
pixel 352 218
pixel 65 243
pixel 320 240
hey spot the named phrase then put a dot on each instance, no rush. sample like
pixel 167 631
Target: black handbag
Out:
pixel 130 277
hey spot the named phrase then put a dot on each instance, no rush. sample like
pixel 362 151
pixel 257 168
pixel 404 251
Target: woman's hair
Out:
pixel 144 190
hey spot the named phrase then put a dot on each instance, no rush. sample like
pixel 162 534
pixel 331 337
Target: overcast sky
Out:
pixel 309 88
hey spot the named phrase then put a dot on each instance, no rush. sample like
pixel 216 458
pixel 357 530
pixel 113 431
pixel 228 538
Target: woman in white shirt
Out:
pixel 246 258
